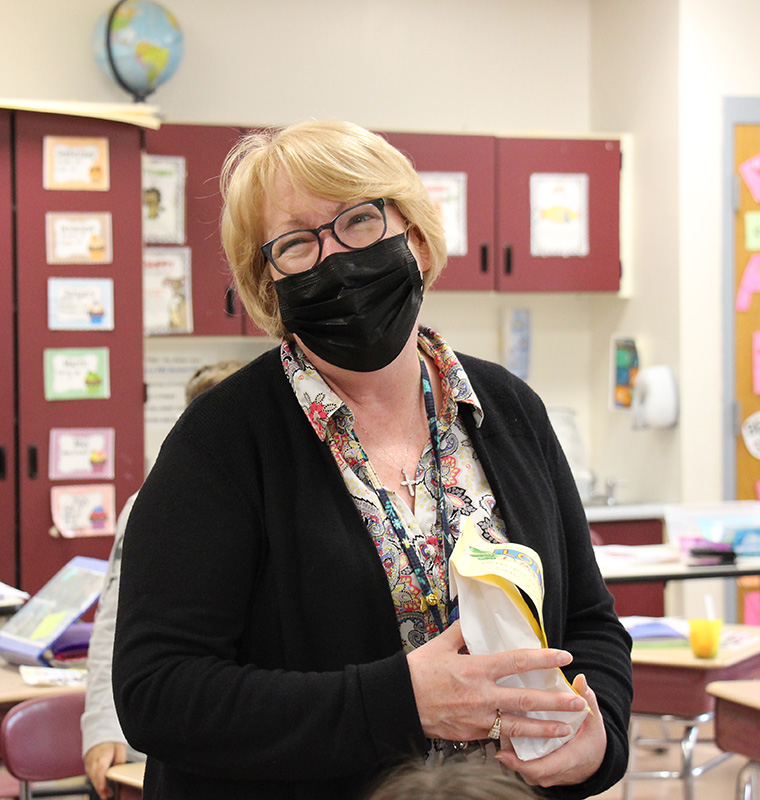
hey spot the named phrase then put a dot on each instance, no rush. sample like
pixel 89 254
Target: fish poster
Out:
pixel 559 215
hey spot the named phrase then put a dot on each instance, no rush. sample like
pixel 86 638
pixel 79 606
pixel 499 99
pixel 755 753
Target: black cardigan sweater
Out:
pixel 257 650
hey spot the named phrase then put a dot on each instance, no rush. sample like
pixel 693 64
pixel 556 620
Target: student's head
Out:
pixel 335 161
pixel 451 780
pixel 208 376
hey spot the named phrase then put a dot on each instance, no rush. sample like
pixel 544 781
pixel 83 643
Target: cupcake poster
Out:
pixel 77 373
pixel 83 510
pixel 81 453
pixel 80 304
pixel 78 238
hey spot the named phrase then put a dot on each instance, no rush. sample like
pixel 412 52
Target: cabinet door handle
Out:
pixel 508 259
pixel 229 301
pixel 32 454
pixel 484 257
pixel 3 465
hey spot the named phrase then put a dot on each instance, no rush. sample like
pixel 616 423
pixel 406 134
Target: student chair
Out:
pixel 40 740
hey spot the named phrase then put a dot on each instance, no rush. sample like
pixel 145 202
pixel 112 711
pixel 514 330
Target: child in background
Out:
pixel 452 779
pixel 103 743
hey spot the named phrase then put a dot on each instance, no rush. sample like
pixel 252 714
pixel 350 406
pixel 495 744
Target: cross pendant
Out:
pixel 410 483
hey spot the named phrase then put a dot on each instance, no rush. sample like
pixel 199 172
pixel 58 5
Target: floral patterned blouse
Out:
pixel 466 486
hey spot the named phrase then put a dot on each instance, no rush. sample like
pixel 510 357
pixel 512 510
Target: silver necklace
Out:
pixel 410 483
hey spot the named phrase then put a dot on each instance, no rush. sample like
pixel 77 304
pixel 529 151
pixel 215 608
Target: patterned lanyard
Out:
pixel 430 595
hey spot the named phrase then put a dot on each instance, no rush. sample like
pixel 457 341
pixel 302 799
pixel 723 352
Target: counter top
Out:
pixel 622 512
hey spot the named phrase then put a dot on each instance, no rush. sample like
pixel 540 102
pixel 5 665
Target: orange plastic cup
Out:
pixel 704 637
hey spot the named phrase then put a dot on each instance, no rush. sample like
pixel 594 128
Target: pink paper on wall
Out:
pixel 749 285
pixel 750 171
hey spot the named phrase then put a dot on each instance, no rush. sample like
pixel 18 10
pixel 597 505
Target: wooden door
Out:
pixel 747 308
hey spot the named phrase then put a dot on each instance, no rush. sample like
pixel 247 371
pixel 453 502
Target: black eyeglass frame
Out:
pixel 379 203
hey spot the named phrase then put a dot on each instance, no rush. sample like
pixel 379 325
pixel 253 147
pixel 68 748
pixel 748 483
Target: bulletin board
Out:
pixel 747 309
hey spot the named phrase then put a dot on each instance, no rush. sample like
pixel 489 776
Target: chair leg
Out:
pixel 688 743
pixel 24 790
pixel 747 782
pixel 632 734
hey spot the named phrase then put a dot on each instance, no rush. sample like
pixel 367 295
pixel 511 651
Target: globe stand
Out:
pixel 137 97
pixel 138 44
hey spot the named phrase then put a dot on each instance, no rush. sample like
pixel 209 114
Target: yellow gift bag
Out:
pixel 487 579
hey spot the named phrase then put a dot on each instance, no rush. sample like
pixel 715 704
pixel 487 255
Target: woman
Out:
pixel 284 619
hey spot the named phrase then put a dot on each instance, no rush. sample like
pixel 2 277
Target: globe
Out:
pixel 145 45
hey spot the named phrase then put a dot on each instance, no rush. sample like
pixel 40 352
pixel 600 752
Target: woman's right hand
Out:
pixel 457 695
pixel 98 759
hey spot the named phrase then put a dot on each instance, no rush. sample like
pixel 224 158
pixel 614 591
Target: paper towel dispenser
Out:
pixel 654 401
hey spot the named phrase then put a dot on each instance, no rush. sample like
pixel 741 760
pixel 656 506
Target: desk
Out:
pixel 670 684
pixel 737 726
pixel 675 570
pixel 127 780
pixel 623 574
pixel 737 717
pixel 671 680
pixel 13 688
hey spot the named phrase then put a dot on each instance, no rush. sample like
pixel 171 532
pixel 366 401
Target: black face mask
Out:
pixel 357 308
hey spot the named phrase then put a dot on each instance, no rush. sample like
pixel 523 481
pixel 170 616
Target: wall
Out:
pixel 728 71
pixel 634 86
pixel 509 66
pixel 423 65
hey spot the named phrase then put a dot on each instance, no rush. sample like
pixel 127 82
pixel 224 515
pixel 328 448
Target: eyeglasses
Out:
pixel 357 227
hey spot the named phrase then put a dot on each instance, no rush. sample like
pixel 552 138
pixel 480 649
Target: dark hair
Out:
pixel 452 779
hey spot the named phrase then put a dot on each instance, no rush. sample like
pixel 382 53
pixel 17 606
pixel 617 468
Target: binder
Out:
pixel 31 634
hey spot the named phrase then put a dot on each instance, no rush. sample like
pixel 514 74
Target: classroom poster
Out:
pixel 163 199
pixel 752 231
pixel 77 373
pixel 750 172
pixel 751 434
pixel 84 510
pixel 167 290
pixel 75 163
pixel 448 191
pixel 516 335
pixel 78 238
pixel 81 454
pixel 80 304
pixel 559 216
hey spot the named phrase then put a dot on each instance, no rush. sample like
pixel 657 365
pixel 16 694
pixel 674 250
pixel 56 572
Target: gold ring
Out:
pixel 495 732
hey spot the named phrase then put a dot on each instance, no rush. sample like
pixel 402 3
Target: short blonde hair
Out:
pixel 336 161
pixel 208 376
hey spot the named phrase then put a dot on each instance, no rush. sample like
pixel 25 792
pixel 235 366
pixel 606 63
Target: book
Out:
pixel 31 635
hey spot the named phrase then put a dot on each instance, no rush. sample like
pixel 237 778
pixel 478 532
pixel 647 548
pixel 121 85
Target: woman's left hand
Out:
pixel 577 759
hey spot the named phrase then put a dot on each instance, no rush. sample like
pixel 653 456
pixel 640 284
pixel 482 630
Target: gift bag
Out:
pixel 489 579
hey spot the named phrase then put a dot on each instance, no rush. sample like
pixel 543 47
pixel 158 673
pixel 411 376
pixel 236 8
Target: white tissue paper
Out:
pixel 494 617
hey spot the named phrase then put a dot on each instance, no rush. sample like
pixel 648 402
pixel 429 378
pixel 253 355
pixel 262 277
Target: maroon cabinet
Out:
pixel 500 214
pixel 646 599
pixel 38 555
pixel 7 362
pixel 476 157
pixel 591 163
pixel 216 308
